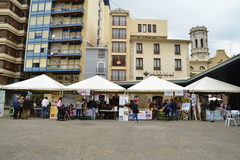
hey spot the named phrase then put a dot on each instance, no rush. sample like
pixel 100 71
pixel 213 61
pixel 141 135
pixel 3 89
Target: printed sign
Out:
pixel 2 102
pixel 179 93
pixel 186 106
pixel 123 99
pixel 168 93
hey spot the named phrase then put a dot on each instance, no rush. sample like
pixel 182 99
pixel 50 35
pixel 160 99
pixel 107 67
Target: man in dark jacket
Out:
pixel 174 109
pixel 16 106
pixel 212 107
pixel 134 107
pixel 27 104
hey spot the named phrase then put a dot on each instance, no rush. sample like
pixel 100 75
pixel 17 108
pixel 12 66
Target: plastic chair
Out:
pixel 229 119
pixel 236 114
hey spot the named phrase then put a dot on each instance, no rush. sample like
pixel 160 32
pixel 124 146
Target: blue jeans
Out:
pixel 174 113
pixel 94 114
pixel 44 112
pixel 167 114
pixel 135 116
pixel 78 113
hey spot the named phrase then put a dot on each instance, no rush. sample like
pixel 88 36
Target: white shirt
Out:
pixel 45 103
pixel 79 105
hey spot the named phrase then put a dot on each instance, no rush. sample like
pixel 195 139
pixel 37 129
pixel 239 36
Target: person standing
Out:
pixel 94 107
pixel 27 104
pixel 84 108
pixel 21 100
pixel 167 110
pixel 16 107
pixel 59 107
pixel 212 108
pixel 135 110
pixel 174 109
pixel 45 104
pixel 79 108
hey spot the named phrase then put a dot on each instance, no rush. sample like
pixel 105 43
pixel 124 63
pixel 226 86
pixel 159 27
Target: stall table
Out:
pixel 108 114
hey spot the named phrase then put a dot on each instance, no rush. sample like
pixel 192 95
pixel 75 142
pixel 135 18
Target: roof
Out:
pixel 96 83
pixel 155 84
pixel 39 83
pixel 210 85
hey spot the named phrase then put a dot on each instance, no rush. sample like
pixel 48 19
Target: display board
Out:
pixel 217 116
pixel 123 99
pixel 123 114
pixel 54 110
pixel 142 115
pixel 2 102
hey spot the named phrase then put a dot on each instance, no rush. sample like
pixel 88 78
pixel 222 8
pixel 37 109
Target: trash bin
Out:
pixel 11 111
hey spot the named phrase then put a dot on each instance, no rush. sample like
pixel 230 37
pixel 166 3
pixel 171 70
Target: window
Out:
pixel 34 6
pixel 177 49
pixel 196 43
pixel 101 68
pixel 157 64
pixel 31 35
pixel 144 28
pixel 46 20
pixel 119 20
pixel 45 34
pixel 42 50
pixel 139 63
pixel 41 6
pixel 119 47
pixel 101 54
pixel 38 35
pixel 149 28
pixel 139 47
pixel 118 61
pixel 33 21
pixel 178 65
pixel 40 20
pixel 30 48
pixel 139 28
pixel 37 48
pixel 118 75
pixel 202 68
pixel 156 49
pixel 139 78
pixel 35 65
pixel 201 42
pixel 48 6
pixel 119 33
pixel 154 28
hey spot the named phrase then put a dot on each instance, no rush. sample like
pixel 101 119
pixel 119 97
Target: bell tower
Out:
pixel 199 46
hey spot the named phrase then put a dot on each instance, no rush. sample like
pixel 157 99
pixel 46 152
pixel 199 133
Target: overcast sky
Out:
pixel 221 17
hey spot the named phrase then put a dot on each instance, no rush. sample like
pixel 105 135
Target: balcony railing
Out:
pixel 67 9
pixel 65 37
pixel 65 52
pixel 119 63
pixel 101 70
pixel 139 67
pixel 157 68
pixel 63 23
pixel 64 67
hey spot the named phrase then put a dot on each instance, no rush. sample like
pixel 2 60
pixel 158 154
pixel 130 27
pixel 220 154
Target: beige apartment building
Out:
pixel 140 48
pixel 13 30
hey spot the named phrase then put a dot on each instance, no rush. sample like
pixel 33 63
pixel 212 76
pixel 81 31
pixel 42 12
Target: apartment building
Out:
pixel 13 30
pixel 140 48
pixel 59 32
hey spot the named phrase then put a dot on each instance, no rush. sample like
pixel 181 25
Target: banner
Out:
pixel 179 93
pixel 2 102
pixel 53 109
pixel 168 93
pixel 185 106
pixel 123 99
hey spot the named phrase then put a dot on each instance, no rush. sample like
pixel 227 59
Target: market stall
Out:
pixel 154 91
pixel 43 85
pixel 101 90
pixel 204 90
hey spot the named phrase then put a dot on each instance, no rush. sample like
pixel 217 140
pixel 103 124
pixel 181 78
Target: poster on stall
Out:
pixel 142 115
pixel 185 106
pixel 2 102
pixel 84 92
pixel 123 114
pixel 123 100
pixel 168 93
pixel 179 93
pixel 186 94
pixel 193 99
pixel 54 110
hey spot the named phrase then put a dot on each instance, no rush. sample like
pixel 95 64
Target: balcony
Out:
pixel 65 37
pixel 64 67
pixel 157 68
pixel 101 71
pixel 64 24
pixel 139 67
pixel 118 63
pixel 64 53
pixel 68 10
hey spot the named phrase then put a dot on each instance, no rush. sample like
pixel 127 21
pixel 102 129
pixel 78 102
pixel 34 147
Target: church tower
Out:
pixel 199 38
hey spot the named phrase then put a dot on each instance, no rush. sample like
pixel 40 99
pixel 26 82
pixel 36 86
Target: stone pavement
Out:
pixel 37 139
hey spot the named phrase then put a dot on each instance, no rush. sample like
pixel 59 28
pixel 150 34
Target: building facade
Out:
pixel 59 32
pixel 200 60
pixel 13 30
pixel 140 48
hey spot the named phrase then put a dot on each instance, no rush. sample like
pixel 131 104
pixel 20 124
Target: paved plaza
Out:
pixel 37 139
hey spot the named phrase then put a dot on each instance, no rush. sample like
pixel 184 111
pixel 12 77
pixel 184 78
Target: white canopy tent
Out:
pixel 154 85
pixel 39 83
pixel 96 83
pixel 210 85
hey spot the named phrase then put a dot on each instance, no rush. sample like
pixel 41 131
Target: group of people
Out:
pixel 21 107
